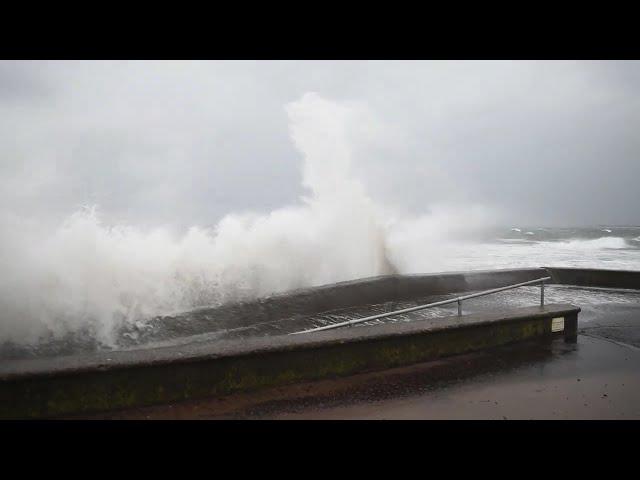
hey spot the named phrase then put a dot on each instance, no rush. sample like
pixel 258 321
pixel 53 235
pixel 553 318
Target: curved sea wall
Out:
pixel 58 386
pixel 366 291
pixel 74 385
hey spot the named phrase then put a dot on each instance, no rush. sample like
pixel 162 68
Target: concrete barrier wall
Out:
pixel 354 293
pixel 49 388
pixel 412 286
pixel 401 287
pixel 295 303
pixel 590 277
pixel 46 387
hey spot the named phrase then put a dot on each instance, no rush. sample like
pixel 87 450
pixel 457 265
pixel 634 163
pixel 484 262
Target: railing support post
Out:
pixel 542 293
pixel 459 307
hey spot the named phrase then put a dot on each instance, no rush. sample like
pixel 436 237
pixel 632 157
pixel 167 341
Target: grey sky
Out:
pixel 181 143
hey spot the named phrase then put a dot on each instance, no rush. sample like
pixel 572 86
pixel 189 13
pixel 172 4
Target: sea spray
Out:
pixel 91 278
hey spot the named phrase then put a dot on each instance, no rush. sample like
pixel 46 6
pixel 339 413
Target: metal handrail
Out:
pixel 435 304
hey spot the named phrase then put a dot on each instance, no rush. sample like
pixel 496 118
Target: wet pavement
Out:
pixel 596 378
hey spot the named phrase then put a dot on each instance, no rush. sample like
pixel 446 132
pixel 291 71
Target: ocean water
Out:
pixel 607 247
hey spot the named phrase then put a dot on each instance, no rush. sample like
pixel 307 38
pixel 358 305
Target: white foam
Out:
pixel 89 276
pixel 86 275
pixel 594 244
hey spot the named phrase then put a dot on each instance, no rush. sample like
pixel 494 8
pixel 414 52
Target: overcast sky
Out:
pixel 182 143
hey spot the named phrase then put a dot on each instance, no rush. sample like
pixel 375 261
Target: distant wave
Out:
pixel 516 240
pixel 575 244
pixel 595 244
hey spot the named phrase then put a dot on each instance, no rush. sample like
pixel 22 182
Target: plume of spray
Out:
pixel 91 278
pixel 86 278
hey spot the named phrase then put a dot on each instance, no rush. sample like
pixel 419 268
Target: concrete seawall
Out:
pixel 377 290
pixel 49 388
pixel 591 277
pixel 361 292
pixel 46 387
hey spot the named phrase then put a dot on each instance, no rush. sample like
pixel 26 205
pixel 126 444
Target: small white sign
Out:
pixel 557 324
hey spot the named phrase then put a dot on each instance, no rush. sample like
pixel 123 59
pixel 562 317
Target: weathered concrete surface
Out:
pixel 591 277
pixel 50 387
pixel 615 323
pixel 411 286
pixel 280 314
pixel 125 378
pixel 594 378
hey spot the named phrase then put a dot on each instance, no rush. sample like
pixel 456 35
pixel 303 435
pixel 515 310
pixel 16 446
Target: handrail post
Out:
pixel 459 307
pixel 542 293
